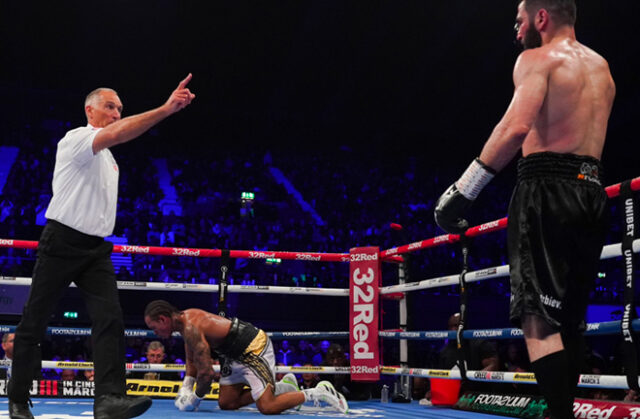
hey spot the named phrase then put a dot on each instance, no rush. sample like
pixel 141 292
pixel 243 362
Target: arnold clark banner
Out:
pixel 364 277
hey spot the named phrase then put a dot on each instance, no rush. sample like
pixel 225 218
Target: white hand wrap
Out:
pixel 476 177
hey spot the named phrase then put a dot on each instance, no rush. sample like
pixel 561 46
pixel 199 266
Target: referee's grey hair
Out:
pixel 92 97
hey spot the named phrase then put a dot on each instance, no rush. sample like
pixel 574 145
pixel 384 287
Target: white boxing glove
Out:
pixel 188 402
pixel 186 389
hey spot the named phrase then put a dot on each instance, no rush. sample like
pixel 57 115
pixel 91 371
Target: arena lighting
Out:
pixel 273 261
pixel 246 210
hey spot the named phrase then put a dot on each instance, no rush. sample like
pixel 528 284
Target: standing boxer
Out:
pixel 558 116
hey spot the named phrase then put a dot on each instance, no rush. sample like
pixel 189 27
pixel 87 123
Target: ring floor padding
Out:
pixel 164 409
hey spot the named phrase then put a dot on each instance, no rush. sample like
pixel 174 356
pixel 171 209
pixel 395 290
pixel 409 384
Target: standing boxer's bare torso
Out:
pixel 576 108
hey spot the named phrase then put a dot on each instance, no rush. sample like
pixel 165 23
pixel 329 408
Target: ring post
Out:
pixel 462 362
pixel 224 283
pixel 403 393
pixel 630 339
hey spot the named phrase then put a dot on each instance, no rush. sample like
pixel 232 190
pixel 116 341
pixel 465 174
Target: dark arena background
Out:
pixel 316 124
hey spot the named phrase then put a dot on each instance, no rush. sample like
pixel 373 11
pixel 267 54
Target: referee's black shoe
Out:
pixel 20 410
pixel 116 406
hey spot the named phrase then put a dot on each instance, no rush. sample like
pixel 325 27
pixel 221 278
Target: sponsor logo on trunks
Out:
pixel 589 172
pixel 589 379
pixel 550 301
pixel 135 249
pixel 306 256
pixel 185 252
pixel 5 242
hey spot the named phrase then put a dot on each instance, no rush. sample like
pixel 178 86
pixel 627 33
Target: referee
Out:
pixel 72 249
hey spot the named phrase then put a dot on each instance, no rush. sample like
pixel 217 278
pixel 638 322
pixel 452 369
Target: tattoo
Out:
pixel 199 358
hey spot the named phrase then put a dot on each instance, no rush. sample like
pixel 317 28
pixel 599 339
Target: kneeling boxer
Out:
pixel 248 360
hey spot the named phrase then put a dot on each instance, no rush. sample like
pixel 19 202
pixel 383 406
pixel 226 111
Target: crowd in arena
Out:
pixel 351 203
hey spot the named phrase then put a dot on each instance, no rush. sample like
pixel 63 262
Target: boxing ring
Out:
pixel 59 406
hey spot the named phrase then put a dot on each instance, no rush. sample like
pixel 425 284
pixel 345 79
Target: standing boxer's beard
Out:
pixel 532 38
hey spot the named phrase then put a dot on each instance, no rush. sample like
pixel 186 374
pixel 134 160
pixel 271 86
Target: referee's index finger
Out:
pixel 184 82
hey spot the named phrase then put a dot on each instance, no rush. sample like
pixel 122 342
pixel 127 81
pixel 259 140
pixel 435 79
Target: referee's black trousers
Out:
pixel 66 255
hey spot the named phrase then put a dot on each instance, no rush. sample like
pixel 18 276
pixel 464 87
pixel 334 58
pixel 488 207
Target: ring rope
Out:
pixel 593 329
pixel 612 192
pixel 608 252
pixel 585 380
pixel 189 287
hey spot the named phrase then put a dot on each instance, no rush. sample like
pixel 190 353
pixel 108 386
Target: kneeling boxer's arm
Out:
pixel 204 365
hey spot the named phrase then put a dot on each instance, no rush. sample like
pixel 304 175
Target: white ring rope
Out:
pixel 586 380
pixel 189 287
pixel 608 252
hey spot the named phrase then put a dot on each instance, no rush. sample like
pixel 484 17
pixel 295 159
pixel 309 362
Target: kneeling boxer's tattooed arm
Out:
pixel 199 361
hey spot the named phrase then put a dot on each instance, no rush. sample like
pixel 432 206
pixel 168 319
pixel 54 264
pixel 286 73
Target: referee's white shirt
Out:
pixel 85 186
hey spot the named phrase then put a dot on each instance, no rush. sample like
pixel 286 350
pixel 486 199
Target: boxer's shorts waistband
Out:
pixel 560 166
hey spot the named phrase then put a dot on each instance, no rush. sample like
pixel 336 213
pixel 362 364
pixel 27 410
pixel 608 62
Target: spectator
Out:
pixel 285 353
pixel 309 379
pixel 318 358
pixel 336 357
pixel 155 354
pixel 7 347
pixel 67 375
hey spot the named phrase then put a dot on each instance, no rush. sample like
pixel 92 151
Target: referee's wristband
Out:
pixel 474 179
